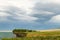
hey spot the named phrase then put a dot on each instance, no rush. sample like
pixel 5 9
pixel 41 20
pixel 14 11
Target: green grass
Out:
pixel 55 35
pixel 35 38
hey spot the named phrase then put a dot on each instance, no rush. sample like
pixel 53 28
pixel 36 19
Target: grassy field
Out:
pixel 52 35
pixel 35 38
pixel 35 34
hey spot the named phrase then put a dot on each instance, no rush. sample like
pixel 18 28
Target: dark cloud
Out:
pixel 45 11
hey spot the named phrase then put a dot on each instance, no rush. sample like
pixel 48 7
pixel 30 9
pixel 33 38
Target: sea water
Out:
pixel 6 35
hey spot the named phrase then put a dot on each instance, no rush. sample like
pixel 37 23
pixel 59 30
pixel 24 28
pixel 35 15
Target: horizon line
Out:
pixel 36 30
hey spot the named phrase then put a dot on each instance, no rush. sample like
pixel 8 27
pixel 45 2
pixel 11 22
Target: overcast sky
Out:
pixel 29 14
